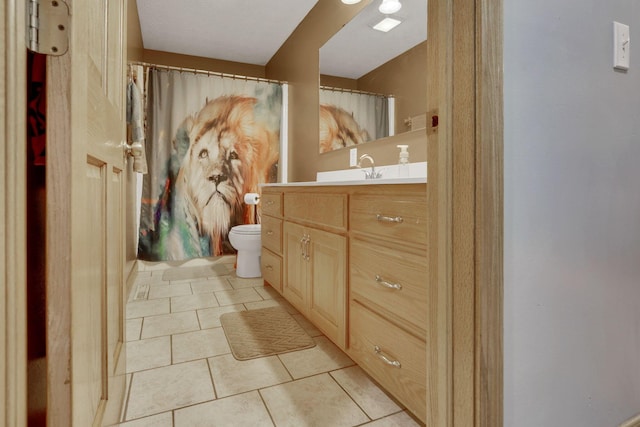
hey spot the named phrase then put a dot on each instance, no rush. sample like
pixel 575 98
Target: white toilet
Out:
pixel 247 241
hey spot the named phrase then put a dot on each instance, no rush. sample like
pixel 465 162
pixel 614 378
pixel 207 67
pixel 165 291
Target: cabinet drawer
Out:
pixel 318 208
pixel 407 382
pixel 401 217
pixel 271 203
pixel 272 233
pixel 394 280
pixel 271 265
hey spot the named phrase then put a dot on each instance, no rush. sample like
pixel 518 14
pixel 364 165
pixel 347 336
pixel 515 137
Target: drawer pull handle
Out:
pixel 385 359
pixel 269 202
pixel 269 267
pixel 383 218
pixel 304 247
pixel 306 250
pixel 382 282
pixel 269 233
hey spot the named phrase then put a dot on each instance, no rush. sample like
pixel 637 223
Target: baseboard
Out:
pixel 632 422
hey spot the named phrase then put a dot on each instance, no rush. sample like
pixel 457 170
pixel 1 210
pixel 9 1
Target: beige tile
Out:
pixel 157 274
pixel 211 285
pixel 287 306
pixel 273 302
pixel 375 402
pixel 267 292
pixel 134 327
pixel 147 308
pixel 149 353
pixel 313 401
pixel 198 345
pixel 193 302
pixel 210 317
pixel 142 274
pixel 241 410
pixel 171 387
pixel 229 266
pixel 241 283
pixel 150 279
pixel 237 296
pixel 231 376
pixel 168 324
pixel 256 305
pixel 161 420
pixel 324 357
pixel 156 266
pixel 167 291
pixel 209 260
pixel 306 325
pixel 401 419
pixel 195 272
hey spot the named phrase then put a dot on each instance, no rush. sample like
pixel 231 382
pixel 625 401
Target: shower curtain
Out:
pixel 350 118
pixel 210 140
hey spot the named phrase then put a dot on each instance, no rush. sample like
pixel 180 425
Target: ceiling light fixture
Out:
pixel 389 6
pixel 387 24
pixel 350 1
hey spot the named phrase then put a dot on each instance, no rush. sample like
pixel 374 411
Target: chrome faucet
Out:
pixel 369 174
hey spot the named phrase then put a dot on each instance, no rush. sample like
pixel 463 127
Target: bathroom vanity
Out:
pixel 352 257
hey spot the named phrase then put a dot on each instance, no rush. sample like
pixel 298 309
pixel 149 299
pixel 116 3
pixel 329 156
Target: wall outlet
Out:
pixel 353 157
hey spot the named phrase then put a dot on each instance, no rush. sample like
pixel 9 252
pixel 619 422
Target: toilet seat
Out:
pixel 246 229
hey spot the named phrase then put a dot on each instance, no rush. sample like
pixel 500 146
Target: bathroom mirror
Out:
pixel 360 62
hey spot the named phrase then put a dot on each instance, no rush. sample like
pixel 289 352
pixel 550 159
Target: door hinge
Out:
pixel 48 27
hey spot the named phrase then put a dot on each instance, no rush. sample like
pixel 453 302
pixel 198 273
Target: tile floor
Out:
pixel 180 371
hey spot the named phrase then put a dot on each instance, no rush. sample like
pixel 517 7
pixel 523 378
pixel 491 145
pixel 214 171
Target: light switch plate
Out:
pixel 621 46
pixel 353 157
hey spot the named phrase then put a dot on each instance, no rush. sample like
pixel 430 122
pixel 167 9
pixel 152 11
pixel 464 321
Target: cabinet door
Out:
pixel 294 287
pixel 327 284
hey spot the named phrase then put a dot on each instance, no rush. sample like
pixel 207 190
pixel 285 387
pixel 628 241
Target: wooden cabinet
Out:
pixel 353 260
pixel 388 291
pixel 315 274
pixel 271 235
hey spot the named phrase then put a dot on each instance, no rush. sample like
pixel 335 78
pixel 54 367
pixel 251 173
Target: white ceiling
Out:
pixel 251 31
pixel 357 48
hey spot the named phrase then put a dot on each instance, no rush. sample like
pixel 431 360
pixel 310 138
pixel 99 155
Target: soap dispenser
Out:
pixel 403 162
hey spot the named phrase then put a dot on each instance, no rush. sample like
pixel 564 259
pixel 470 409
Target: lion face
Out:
pixel 339 129
pixel 228 156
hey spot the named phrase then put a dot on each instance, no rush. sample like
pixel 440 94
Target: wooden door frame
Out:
pixel 465 201
pixel 473 57
pixel 13 357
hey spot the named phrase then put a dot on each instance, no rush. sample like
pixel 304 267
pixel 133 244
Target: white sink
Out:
pixel 389 172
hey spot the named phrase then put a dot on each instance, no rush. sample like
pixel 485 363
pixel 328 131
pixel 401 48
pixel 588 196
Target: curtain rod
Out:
pixel 362 92
pixel 207 72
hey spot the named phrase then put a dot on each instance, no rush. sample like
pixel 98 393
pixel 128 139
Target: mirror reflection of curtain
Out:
pixel 210 140
pixel 350 118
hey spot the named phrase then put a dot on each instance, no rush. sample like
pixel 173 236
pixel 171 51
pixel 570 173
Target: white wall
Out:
pixel 572 215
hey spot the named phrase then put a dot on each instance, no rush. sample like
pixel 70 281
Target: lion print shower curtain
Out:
pixel 349 118
pixel 210 140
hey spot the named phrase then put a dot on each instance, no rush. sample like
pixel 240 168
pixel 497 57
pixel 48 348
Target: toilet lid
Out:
pixel 246 229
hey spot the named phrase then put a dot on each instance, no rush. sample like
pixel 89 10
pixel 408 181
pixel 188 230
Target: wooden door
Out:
pixel 327 284
pixel 85 223
pixel 294 286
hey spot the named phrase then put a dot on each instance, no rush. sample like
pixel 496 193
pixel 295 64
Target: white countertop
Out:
pixel 389 181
